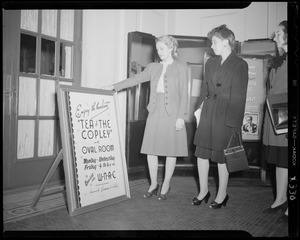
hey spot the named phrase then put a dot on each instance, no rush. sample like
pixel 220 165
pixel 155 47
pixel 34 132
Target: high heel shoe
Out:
pixel 196 201
pixel 154 191
pixel 216 205
pixel 164 196
pixel 270 210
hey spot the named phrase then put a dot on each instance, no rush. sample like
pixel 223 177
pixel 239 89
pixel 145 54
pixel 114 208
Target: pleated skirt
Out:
pixel 216 156
pixel 161 137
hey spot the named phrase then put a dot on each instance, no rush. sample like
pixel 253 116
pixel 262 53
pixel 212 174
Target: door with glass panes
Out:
pixel 41 48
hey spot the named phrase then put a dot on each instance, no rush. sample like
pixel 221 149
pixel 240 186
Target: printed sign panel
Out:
pixel 93 147
pixel 256 98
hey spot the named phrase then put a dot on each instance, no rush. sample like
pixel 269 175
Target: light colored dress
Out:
pixel 168 101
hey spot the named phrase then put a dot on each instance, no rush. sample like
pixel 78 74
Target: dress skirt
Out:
pixel 161 137
pixel 275 155
pixel 216 156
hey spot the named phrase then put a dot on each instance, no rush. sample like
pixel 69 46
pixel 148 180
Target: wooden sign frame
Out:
pixel 93 148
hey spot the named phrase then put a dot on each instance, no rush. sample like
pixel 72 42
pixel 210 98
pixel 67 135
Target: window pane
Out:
pixel 47 97
pixel 46 136
pixel 27 53
pixel 49 22
pixel 27 96
pixel 25 139
pixel 67 25
pixel 48 57
pixel 29 20
pixel 65 65
pixel 65 83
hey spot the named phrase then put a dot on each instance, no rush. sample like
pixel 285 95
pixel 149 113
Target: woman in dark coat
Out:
pixel 165 132
pixel 223 94
pixel 275 147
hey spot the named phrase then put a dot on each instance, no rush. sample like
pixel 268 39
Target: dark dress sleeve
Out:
pixel 238 94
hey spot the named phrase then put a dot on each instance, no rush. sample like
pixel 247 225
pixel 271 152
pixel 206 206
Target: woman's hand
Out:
pixel 179 124
pixel 108 87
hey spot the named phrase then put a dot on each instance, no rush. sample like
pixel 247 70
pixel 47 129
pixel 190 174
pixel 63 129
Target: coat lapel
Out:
pixel 224 72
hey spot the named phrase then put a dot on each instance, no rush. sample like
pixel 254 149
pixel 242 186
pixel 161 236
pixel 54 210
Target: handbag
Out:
pixel 278 109
pixel 235 157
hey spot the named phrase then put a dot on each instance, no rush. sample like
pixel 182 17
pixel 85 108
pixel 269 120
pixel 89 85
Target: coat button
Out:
pixel 219 84
pixel 215 96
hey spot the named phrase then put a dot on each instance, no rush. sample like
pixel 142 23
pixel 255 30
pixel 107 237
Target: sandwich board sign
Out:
pixel 93 148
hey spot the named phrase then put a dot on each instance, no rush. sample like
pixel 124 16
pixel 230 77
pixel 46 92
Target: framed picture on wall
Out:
pixel 256 95
pixel 250 124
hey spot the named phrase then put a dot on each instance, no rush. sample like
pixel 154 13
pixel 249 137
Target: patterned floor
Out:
pixel 241 217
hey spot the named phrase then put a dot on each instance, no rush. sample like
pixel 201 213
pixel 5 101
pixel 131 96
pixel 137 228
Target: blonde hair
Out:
pixel 170 42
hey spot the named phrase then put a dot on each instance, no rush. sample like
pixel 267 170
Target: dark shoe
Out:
pixel 216 205
pixel 270 210
pixel 196 201
pixel 164 196
pixel 154 191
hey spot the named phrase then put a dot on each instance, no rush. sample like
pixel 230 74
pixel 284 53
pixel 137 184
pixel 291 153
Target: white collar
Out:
pixel 167 63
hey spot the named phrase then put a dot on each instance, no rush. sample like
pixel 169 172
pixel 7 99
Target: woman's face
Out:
pixel 163 51
pixel 218 45
pixel 279 37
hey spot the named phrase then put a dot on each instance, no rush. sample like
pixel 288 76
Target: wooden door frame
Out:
pixel 128 139
pixel 11 42
pixel 10 37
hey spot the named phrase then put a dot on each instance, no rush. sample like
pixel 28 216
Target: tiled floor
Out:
pixel 241 217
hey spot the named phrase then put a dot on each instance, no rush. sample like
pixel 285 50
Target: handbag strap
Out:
pixel 233 135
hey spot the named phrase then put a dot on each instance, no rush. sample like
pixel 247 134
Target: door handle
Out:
pixel 8 94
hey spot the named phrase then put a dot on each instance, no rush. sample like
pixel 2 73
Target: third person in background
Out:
pixel 275 147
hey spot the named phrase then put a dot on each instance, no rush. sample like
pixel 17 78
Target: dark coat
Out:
pixel 224 92
pixel 278 84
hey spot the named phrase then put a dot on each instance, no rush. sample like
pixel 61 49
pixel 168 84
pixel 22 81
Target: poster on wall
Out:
pixel 93 148
pixel 250 124
pixel 256 97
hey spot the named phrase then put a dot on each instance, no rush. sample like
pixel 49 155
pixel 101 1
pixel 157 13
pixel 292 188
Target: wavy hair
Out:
pixel 170 42
pixel 277 60
pixel 223 33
